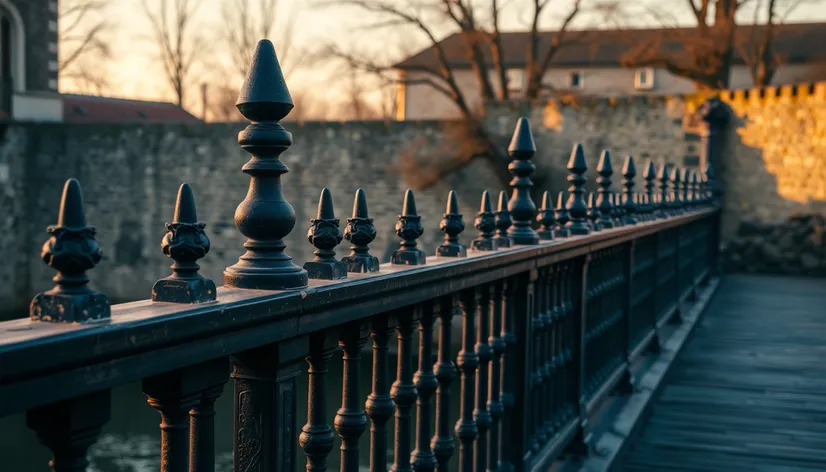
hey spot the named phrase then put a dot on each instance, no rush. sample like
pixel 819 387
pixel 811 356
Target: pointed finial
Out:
pixel 604 201
pixel 503 221
pixel 452 225
pixel 521 206
pixel 486 224
pixel 264 95
pixel 593 212
pixel 522 143
pixel 409 229
pixel 692 186
pixel 685 189
pixel 324 234
pixel 185 242
pixel 71 250
pixel 629 171
pixel 71 214
pixel 546 219
pixel 674 188
pixel 360 232
pixel 576 205
pixel 562 217
pixel 265 217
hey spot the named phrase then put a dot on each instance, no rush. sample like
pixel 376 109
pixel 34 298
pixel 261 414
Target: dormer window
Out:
pixel 644 79
pixel 575 80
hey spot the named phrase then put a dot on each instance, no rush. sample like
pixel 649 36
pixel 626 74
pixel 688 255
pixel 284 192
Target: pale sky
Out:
pixel 134 72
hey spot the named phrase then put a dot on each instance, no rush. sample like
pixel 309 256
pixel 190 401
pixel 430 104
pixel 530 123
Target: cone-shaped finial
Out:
pixel 650 172
pixel 629 169
pixel 360 205
pixel 409 205
pixel 604 166
pixel 185 206
pixel 503 201
pixel 264 95
pixel 486 206
pixel 522 140
pixel 325 205
pixel 662 173
pixel 547 204
pixel 452 203
pixel 71 214
pixel 577 161
pixel 560 201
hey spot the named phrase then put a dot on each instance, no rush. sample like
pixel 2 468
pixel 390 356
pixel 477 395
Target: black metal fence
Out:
pixel 552 319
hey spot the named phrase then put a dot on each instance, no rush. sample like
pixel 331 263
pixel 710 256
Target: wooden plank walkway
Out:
pixel 748 393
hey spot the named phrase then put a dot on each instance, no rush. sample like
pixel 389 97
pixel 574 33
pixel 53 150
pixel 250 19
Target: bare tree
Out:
pixel 82 43
pixel 178 40
pixel 757 49
pixel 481 38
pixel 248 21
pixel 703 53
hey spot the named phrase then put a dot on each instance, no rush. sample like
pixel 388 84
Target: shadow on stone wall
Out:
pixel 774 176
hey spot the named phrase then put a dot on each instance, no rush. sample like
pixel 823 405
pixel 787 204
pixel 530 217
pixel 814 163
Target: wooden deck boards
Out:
pixel 749 391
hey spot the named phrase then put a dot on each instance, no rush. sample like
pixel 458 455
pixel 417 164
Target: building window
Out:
pixel 575 80
pixel 516 80
pixel 644 79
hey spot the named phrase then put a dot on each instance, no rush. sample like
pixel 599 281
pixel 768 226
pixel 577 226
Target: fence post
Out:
pixel 579 445
pixel 520 370
pixel 716 116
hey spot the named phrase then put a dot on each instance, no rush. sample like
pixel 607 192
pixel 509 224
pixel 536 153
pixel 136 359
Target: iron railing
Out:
pixel 551 320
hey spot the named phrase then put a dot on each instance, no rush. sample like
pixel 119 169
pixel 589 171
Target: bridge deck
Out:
pixel 749 391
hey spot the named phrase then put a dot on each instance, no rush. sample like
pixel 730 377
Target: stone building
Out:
pixel 28 59
pixel 594 66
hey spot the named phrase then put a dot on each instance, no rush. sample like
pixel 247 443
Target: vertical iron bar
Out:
pixel 423 458
pixel 483 350
pixel 442 442
pixel 626 385
pixel 579 445
pixel 403 392
pixel 495 404
pixel 379 405
pixel 351 421
pixel 467 361
pixel 317 436
pixel 508 374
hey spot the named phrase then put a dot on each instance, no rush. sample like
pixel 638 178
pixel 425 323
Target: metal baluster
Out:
pixel 317 436
pixel 70 427
pixel 483 350
pixel 550 366
pixel 442 442
pixel 351 421
pixel 403 392
pixel 535 420
pixel 423 458
pixel 467 361
pixel 202 418
pixel 173 394
pixel 379 405
pixel 508 378
pixel 495 404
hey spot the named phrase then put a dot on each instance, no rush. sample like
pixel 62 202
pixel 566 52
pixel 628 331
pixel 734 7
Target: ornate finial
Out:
pixel 691 193
pixel 649 207
pixel 521 206
pixel 452 225
pixel 629 171
pixel 674 178
pixel 185 242
pixel 562 217
pixel 650 177
pixel 409 229
pixel 325 235
pixel 606 208
pixel 71 251
pixel 545 218
pixel 503 221
pixel 577 208
pixel 593 212
pixel 486 224
pixel 360 232
pixel 264 216
pixel 639 207
pixel 685 190
pixel 662 177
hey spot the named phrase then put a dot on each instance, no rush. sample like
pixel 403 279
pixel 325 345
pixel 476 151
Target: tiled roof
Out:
pixel 795 42
pixel 92 109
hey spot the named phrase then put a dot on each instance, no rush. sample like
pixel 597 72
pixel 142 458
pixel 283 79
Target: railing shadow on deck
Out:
pixel 551 321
